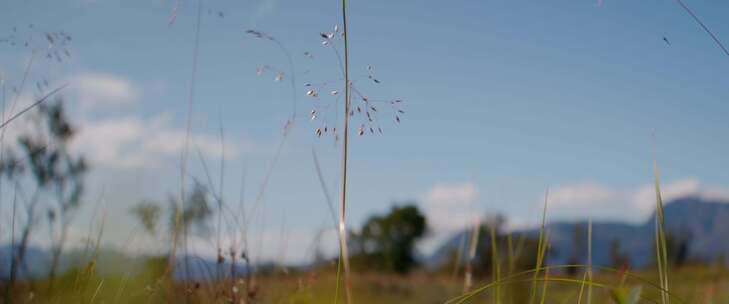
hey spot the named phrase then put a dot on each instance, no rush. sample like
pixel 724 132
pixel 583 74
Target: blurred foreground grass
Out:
pixel 698 284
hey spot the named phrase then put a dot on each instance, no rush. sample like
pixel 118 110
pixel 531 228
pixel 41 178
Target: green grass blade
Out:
pixel 540 250
pixel 495 264
pixel 546 275
pixel 661 251
pixel 587 275
pixel 471 254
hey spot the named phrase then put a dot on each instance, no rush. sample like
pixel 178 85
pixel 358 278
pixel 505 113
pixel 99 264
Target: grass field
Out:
pixel 45 177
pixel 696 284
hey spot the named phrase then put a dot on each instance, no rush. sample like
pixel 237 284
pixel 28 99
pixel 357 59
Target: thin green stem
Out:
pixel 344 255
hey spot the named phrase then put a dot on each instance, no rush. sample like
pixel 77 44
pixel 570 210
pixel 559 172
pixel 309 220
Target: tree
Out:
pixel 55 174
pixel 677 247
pixel 618 260
pixel 387 242
pixel 579 246
pixel 190 213
pixel 183 217
pixel 147 212
pixel 193 213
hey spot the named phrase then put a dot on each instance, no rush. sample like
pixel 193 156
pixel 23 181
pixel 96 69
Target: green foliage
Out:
pixel 579 248
pixel 142 281
pixel 53 168
pixel 387 242
pixel 677 247
pixel 55 174
pixel 623 295
pixel 148 213
pixel 193 212
pixel 618 260
pixel 660 244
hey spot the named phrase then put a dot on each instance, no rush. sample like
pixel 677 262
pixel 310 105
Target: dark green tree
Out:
pixel 194 213
pixel 678 243
pixel 618 260
pixel 579 248
pixel 387 242
pixel 185 216
pixel 63 173
pixel 55 175
pixel 147 212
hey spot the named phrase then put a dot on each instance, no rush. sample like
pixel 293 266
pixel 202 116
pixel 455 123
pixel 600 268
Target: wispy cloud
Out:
pixel 95 90
pixel 134 142
pixel 581 194
pixel 131 140
pixel 450 206
pixel 127 140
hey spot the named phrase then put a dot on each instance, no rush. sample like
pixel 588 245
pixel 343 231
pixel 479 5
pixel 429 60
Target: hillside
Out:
pixel 705 223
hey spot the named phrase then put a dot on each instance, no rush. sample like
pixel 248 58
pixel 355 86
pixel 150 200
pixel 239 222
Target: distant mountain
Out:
pixel 704 222
pixel 112 262
pixel 204 269
pixel 37 261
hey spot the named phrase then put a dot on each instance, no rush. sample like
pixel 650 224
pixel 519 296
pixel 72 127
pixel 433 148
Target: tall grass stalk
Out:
pixel 10 285
pixel 343 252
pixel 459 256
pixel 706 29
pixel 324 188
pixel 330 205
pixel 183 166
pixel 582 288
pixel 495 264
pixel 510 263
pixel 513 278
pixel 2 149
pixel 541 248
pixel 472 246
pixel 661 251
pixel 589 260
pixel 587 275
pixel 220 205
pixel 17 255
pixel 33 105
pixel 546 271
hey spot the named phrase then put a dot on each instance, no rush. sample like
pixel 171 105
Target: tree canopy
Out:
pixel 387 242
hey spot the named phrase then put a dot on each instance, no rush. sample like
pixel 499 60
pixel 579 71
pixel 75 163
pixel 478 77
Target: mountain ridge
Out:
pixel 704 222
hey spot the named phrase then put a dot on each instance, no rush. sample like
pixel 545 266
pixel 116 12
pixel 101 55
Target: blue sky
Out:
pixel 503 99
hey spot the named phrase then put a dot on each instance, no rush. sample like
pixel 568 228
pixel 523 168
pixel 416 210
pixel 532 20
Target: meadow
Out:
pixel 377 262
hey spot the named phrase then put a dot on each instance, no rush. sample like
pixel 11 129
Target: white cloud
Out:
pixel 129 140
pixel 120 140
pixel 132 142
pixel 17 126
pixel 450 206
pixel 584 197
pixel 96 89
pixel 644 199
pixel 580 194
